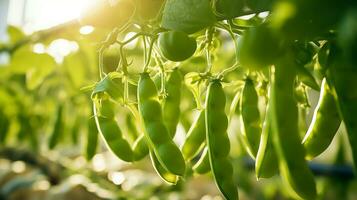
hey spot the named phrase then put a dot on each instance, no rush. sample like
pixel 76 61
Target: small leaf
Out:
pixel 74 65
pixel 15 34
pixel 111 87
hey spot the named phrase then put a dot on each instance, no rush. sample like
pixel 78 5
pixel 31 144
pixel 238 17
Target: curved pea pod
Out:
pixel 57 129
pixel 131 127
pixel 343 78
pixel 195 138
pixel 110 131
pixel 266 164
pixel 284 113
pixel 92 139
pixel 171 104
pixel 250 118
pixel 324 124
pixel 140 148
pixel 112 136
pixel 218 142
pixel 158 138
pixel 202 166
pixel 163 173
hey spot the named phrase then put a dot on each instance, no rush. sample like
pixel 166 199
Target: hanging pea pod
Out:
pixel 158 138
pixel 171 104
pixel 218 142
pixel 342 75
pixel 250 118
pixel 110 131
pixel 92 139
pixel 140 146
pixel 75 130
pixel 286 139
pixel 131 127
pixel 324 124
pixel 195 138
pixel 4 127
pixel 202 166
pixel 235 108
pixel 57 132
pixel 266 164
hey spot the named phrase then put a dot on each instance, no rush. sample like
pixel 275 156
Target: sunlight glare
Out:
pixel 117 177
pixel 48 13
pixel 39 48
pixel 85 30
pixel 60 48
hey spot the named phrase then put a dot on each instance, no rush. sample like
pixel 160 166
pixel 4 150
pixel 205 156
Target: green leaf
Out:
pixel 36 66
pixel 15 34
pixel 43 67
pixel 74 65
pixel 111 86
pixel 189 16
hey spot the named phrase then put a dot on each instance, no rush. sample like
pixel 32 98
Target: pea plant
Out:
pixel 279 57
pixel 202 64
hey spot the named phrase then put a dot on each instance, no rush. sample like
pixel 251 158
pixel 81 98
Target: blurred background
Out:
pixel 46 59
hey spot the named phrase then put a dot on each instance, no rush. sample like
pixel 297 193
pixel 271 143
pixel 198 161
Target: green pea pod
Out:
pixel 131 127
pixel 324 125
pixel 112 136
pixel 75 130
pixel 202 166
pixel 234 108
pixel 110 131
pixel 250 118
pixel 171 104
pixel 218 142
pixel 140 148
pixel 57 132
pixel 343 78
pixel 158 138
pixel 92 139
pixel 266 164
pixel 4 127
pixel 284 112
pixel 163 173
pixel 195 138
